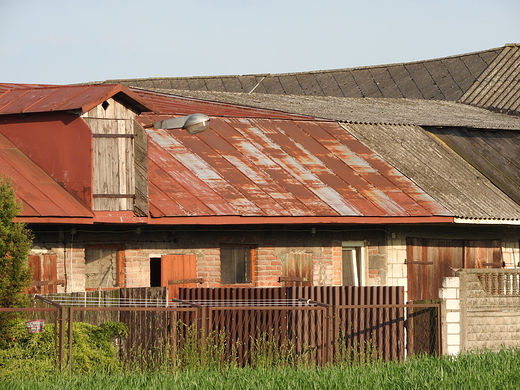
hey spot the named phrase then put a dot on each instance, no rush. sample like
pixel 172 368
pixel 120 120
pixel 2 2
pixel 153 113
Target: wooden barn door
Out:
pixel 483 254
pixel 45 274
pixel 296 269
pixel 428 261
pixel 178 271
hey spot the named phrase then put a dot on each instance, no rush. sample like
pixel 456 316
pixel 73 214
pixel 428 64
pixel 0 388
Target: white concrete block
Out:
pixel 453 339
pixel 453 349
pixel 453 316
pixel 451 282
pixel 453 304
pixel 453 329
pixel 448 293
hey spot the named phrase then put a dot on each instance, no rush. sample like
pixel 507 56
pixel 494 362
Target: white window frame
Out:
pixel 360 274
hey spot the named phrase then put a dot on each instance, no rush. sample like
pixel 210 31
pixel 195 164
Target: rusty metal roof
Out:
pixel 40 195
pixel 274 168
pixel 34 99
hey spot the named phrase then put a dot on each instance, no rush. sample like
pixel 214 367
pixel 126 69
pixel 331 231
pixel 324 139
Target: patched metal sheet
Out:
pixel 291 168
pixel 40 194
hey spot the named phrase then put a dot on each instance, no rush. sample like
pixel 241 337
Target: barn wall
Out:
pixel 272 248
pixel 384 250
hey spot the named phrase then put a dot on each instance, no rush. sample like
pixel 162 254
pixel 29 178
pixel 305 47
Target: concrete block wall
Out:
pixel 396 263
pixel 489 320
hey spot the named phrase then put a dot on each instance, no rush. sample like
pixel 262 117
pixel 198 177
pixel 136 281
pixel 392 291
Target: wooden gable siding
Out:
pixel 112 126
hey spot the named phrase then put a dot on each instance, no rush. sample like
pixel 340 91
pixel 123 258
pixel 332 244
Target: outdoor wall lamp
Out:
pixel 193 124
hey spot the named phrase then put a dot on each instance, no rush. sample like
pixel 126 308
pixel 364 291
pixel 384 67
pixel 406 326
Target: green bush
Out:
pixel 93 348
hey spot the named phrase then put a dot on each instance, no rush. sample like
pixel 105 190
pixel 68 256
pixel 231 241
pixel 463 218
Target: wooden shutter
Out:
pixel 45 274
pixel 178 271
pixel 296 269
pixel 428 261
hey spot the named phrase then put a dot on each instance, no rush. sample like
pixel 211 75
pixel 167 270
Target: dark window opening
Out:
pixel 155 272
pixel 236 264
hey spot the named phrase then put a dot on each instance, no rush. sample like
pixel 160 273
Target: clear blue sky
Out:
pixel 74 41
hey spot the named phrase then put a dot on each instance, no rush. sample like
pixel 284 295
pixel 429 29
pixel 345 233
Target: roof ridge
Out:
pixel 310 71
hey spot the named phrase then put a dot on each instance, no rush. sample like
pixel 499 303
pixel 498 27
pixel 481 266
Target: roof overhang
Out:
pixel 487 221
pixel 238 220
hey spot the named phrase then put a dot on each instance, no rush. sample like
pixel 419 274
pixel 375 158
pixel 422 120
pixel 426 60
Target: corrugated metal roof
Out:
pixel 497 88
pixel 368 110
pixel 445 78
pixel 65 98
pixel 439 171
pixel 40 195
pixel 253 167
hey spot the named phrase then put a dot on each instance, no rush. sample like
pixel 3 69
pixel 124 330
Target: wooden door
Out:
pixel 178 271
pixel 296 269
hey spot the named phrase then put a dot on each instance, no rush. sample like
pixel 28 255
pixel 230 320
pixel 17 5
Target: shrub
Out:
pixel 36 352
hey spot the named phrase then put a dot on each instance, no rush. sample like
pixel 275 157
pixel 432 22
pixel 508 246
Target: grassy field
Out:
pixel 470 371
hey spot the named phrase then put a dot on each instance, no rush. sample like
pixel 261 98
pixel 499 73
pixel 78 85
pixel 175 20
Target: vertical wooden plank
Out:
pixel 50 273
pixel 36 267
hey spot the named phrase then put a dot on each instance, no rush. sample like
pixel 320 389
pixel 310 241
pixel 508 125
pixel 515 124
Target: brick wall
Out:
pixel 325 247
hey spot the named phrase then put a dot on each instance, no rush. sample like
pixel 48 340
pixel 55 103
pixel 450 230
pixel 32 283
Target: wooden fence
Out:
pixel 317 324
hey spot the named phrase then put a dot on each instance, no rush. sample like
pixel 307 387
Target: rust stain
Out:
pixel 277 167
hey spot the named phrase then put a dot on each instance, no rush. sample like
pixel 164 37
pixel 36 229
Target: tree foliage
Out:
pixel 15 243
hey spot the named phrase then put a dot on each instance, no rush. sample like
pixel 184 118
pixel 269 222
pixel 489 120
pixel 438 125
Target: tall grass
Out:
pixel 485 370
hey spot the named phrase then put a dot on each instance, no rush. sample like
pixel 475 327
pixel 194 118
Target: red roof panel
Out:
pixel 64 98
pixel 39 193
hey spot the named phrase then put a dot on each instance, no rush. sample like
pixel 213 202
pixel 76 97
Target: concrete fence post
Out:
pixel 450 316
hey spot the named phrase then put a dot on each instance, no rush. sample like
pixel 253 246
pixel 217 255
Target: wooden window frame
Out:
pixel 252 268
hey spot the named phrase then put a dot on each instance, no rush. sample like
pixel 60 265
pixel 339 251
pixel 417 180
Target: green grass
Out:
pixel 486 370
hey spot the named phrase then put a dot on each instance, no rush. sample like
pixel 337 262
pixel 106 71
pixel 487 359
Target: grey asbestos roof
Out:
pixel 439 171
pixel 488 78
pixel 398 111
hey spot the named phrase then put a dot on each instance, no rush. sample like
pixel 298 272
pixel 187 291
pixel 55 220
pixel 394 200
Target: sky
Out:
pixel 76 41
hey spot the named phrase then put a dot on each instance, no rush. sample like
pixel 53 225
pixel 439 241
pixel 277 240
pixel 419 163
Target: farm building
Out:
pixel 279 191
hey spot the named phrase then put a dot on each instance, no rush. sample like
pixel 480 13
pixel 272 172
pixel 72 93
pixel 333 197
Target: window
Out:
pixel 353 263
pixel 103 267
pixel 236 264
